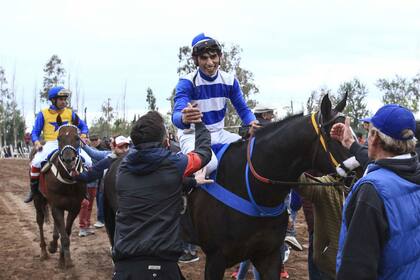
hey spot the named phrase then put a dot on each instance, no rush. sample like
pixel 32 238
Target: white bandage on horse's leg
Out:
pixel 347 166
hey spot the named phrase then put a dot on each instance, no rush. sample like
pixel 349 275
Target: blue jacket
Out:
pixel 400 254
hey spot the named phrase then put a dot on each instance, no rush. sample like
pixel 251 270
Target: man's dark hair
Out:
pixel 359 134
pixel 148 128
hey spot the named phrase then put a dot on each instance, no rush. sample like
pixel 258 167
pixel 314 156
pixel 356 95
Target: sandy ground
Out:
pixel 19 240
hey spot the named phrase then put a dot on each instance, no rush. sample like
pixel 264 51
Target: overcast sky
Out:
pixel 292 47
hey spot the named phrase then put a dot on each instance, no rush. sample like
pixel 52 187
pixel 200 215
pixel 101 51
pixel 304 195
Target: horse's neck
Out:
pixel 281 155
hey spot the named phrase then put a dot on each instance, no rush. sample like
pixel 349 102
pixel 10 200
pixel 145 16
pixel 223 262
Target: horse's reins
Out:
pixel 317 128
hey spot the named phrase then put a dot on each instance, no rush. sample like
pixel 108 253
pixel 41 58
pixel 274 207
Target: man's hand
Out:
pixel 342 132
pixel 74 173
pixel 38 146
pixel 191 114
pixel 200 177
pixel 253 126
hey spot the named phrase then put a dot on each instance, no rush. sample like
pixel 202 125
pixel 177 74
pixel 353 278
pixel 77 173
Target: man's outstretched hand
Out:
pixel 342 132
pixel 191 114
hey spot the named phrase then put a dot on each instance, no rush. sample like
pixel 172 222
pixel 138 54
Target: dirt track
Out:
pixel 19 240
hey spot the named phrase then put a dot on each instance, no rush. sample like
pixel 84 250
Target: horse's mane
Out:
pixel 276 125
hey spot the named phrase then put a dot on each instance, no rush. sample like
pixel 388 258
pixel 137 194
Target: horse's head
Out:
pixel 328 155
pixel 68 145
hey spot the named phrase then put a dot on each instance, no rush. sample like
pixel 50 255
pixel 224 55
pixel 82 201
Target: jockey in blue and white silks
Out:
pixel 209 89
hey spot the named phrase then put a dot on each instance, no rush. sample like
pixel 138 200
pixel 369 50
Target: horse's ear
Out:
pixel 326 107
pixel 340 106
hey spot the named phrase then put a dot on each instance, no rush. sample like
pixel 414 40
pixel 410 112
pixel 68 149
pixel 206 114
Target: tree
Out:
pixel 230 62
pixel 4 96
pixel 356 107
pixel 53 75
pixel 12 123
pixel 402 91
pixel 151 100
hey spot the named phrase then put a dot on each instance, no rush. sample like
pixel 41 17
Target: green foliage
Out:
pixel 356 107
pixel 107 125
pixel 12 123
pixel 53 75
pixel 405 92
pixel 151 100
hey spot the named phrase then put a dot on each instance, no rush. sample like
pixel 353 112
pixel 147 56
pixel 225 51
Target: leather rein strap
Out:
pixel 277 182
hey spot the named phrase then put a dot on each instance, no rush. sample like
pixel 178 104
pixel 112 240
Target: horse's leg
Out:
pixel 52 248
pixel 40 207
pixel 71 216
pixel 215 267
pixel 65 260
pixel 268 266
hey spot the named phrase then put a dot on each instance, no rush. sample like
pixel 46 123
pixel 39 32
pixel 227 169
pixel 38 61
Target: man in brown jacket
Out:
pixel 327 206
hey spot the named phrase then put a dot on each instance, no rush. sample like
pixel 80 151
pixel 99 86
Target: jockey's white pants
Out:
pixel 187 143
pixel 51 146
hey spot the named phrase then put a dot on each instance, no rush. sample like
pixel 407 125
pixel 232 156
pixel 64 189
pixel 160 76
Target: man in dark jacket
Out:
pixel 380 237
pixel 147 231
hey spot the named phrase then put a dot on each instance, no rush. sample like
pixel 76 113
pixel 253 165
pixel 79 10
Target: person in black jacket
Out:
pixel 149 185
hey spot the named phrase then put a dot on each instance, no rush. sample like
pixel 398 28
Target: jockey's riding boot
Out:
pixel 34 188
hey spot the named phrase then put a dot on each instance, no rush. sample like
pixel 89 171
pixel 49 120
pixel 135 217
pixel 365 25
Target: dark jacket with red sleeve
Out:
pixel 149 185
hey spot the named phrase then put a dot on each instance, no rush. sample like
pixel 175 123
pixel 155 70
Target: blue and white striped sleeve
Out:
pixel 238 101
pixel 183 93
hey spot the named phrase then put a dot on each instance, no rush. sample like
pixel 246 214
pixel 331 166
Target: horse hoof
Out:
pixel 44 256
pixel 69 264
pixel 52 248
pixel 61 264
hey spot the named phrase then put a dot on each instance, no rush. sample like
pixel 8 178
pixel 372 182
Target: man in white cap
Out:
pixel 264 113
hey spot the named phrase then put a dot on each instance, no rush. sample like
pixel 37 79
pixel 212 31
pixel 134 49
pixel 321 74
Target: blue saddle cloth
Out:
pixel 249 208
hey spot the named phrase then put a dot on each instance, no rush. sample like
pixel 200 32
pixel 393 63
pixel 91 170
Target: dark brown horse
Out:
pixel 61 193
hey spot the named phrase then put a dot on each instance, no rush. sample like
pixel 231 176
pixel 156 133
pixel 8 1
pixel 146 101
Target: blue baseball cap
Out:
pixel 392 120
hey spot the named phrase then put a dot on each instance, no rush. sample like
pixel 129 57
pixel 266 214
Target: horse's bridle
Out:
pixel 319 128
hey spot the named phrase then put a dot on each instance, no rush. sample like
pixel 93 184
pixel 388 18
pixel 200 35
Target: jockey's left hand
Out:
pixel 253 126
pixel 74 173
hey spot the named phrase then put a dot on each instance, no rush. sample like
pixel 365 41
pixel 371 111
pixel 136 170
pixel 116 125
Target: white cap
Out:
pixel 262 108
pixel 120 140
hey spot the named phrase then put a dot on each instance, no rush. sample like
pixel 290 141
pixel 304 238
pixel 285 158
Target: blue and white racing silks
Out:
pixel 210 94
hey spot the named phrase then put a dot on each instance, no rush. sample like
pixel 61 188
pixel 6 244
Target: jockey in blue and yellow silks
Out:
pixel 47 122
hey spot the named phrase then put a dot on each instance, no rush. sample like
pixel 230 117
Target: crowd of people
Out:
pixel 367 229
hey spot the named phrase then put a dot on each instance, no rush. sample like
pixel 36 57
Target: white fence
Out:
pixel 14 152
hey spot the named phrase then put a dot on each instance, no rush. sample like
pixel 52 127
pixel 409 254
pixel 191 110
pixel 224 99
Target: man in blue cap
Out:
pixel 380 231
pixel 204 92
